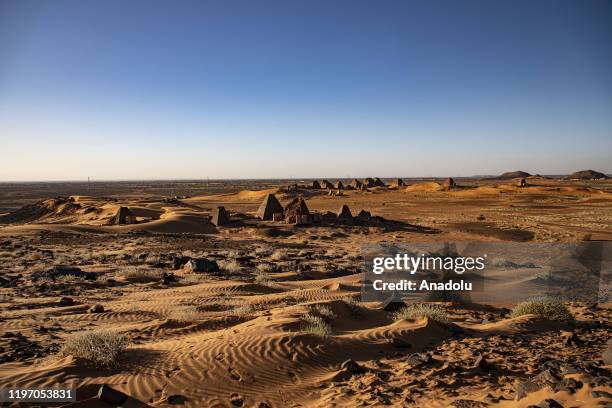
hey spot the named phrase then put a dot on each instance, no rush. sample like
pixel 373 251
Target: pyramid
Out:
pixel 327 184
pixel 220 217
pixel 296 210
pixel 399 182
pixel 345 212
pixel 356 184
pixel 316 184
pixel 379 183
pixel 124 216
pixel 369 182
pixel 269 207
pixel 339 185
pixel 450 182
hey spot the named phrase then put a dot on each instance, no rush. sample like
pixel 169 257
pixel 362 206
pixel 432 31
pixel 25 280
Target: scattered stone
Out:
pixel 66 301
pixel 418 359
pixel 58 271
pixel 201 265
pixel 111 396
pixel 96 309
pixel 237 400
pixel 352 367
pixel 176 399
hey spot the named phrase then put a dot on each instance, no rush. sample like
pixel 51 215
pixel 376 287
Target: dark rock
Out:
pixel 480 363
pixel 96 309
pixel 418 359
pixel 66 301
pixel 176 399
pixel 549 403
pixel 179 261
pixel 352 367
pixel 57 271
pixel 111 396
pixel 237 400
pixel 201 265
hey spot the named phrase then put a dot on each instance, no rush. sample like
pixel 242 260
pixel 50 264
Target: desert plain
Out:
pixel 268 313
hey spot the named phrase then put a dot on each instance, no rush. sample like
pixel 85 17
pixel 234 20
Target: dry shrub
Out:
pixel 100 347
pixel 280 255
pixel 316 325
pixel 550 308
pixel 140 275
pixel 186 314
pixel 433 312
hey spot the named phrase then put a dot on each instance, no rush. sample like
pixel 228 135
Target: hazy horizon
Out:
pixel 150 90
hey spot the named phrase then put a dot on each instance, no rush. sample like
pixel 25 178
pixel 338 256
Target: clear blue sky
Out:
pixel 258 89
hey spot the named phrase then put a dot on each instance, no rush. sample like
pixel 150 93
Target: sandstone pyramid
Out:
pixel 379 183
pixel 356 184
pixel 316 184
pixel 345 212
pixel 369 182
pixel 296 212
pixel 339 185
pixel 220 217
pixel 124 216
pixel 326 184
pixel 269 207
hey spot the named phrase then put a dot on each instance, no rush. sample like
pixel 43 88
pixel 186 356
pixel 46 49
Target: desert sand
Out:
pixel 235 335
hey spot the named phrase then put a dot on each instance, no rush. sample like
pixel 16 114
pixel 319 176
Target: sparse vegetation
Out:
pixel 185 314
pixel 280 255
pixel 548 307
pixel 433 312
pixel 324 311
pixel 243 310
pixel 100 347
pixel 231 266
pixel 316 325
pixel 140 275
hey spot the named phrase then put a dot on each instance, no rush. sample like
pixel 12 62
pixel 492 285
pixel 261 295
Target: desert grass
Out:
pixel 316 325
pixel 140 275
pixel 101 347
pixel 231 267
pixel 547 307
pixel 433 312
pixel 323 311
pixel 185 314
pixel 280 255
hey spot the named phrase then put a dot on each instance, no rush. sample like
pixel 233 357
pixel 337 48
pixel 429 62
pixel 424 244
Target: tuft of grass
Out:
pixel 139 275
pixel 100 347
pixel 280 255
pixel 316 325
pixel 244 310
pixel 186 314
pixel 548 307
pixel 433 312
pixel 231 267
pixel 323 311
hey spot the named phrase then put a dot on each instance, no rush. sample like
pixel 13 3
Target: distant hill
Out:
pixel 514 174
pixel 587 175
